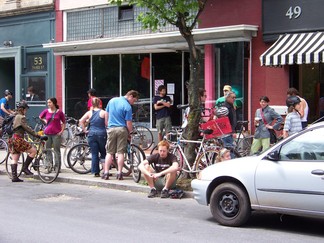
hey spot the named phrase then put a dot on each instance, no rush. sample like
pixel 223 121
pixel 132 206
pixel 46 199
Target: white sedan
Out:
pixel 288 178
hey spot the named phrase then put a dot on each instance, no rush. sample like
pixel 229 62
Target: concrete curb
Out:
pixel 125 185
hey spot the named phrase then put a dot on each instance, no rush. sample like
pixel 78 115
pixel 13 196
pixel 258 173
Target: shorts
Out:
pixel 18 145
pixel 160 183
pixel 164 123
pixel 117 140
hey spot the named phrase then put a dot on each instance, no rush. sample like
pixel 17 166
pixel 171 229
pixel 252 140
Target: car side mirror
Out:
pixel 273 156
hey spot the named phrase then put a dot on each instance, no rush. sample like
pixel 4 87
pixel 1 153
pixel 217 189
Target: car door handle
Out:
pixel 318 172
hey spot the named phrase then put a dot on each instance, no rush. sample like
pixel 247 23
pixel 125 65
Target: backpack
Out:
pixel 7 125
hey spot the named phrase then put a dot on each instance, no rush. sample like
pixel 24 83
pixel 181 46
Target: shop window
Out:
pixel 35 89
pixel 125 13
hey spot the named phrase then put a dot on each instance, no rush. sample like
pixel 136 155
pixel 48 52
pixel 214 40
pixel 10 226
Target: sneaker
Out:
pixel 152 193
pixel 164 193
pixel 119 176
pixel 96 175
pixel 105 176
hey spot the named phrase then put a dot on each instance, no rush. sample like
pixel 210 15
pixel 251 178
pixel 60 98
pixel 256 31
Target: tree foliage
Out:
pixel 184 15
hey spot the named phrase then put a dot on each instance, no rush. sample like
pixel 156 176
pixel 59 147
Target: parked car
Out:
pixel 288 178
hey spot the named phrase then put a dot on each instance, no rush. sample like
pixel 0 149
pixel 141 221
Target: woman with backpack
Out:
pixel 17 143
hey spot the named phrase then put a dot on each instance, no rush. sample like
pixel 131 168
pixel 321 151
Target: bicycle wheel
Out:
pixel 79 158
pixel 135 156
pixel 66 137
pixel 142 137
pixel 3 150
pixel 206 158
pixel 47 168
pixel 243 147
pixel 9 161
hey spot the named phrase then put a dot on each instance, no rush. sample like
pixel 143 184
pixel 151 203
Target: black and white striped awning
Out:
pixel 302 48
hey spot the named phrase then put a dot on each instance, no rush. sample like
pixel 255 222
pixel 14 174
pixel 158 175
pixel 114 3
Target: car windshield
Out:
pixel 307 146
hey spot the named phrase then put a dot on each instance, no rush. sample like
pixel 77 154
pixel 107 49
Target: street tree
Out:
pixel 183 14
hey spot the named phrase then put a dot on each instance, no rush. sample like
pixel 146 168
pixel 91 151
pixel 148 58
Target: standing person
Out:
pixel 224 154
pixel 55 125
pixel 31 96
pixel 264 117
pixel 160 170
pixel 4 105
pixel 304 109
pixel 162 104
pixel 17 143
pixel 292 121
pixel 97 134
pixel 229 104
pixel 119 128
pixel 220 101
pixel 92 94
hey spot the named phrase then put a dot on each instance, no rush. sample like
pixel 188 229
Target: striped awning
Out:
pixel 302 48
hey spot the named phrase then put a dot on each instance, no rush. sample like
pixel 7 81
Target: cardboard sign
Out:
pixel 220 127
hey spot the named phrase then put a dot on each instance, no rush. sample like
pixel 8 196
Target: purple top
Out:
pixel 54 126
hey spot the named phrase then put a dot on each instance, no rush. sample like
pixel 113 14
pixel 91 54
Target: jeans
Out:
pixel 97 145
pixel 228 142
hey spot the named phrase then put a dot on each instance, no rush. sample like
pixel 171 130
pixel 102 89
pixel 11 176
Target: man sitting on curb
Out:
pixel 160 170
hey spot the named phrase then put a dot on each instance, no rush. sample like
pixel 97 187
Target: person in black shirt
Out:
pixel 160 170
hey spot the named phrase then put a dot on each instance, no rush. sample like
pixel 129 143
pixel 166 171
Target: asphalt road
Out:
pixel 35 212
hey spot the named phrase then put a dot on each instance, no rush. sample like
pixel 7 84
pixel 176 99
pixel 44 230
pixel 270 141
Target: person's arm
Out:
pixel 83 119
pixel 62 119
pixel 142 167
pixel 105 117
pixel 42 116
pixel 302 108
pixel 129 125
pixel 27 128
pixel 173 168
pixel 275 116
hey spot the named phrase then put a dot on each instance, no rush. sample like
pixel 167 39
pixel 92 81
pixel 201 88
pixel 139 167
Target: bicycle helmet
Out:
pixel 292 101
pixel 221 111
pixel 7 92
pixel 22 104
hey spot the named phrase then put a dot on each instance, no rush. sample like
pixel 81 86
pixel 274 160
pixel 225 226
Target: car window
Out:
pixel 307 146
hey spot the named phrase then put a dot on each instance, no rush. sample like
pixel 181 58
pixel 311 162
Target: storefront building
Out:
pixel 24 63
pixel 103 47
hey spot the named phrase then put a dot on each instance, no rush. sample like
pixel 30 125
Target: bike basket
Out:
pixel 220 127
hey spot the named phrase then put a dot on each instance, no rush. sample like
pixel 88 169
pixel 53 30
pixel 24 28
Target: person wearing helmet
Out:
pixel 293 121
pixel 17 143
pixel 92 94
pixel 304 109
pixel 4 104
pixel 265 116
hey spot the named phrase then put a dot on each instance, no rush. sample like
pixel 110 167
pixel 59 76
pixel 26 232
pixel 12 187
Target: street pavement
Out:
pixel 68 176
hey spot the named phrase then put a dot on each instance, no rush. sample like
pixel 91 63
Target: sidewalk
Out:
pixel 68 176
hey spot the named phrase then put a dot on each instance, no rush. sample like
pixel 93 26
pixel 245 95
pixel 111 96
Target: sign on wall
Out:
pixel 291 16
pixel 37 62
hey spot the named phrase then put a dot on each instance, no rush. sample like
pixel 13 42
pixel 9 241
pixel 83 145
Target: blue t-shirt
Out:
pixel 165 111
pixel 119 111
pixel 6 105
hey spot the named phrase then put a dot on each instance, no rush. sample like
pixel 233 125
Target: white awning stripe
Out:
pixel 302 48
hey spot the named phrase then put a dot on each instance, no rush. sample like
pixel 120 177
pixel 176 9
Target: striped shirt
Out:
pixel 292 123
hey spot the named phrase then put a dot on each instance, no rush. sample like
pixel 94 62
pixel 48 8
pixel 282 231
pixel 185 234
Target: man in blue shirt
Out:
pixel 4 104
pixel 119 127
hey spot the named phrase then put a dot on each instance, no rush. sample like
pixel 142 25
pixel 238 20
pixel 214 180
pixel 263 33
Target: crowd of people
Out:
pixel 160 169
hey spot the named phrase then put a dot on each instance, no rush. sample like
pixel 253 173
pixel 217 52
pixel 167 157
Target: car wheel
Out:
pixel 230 205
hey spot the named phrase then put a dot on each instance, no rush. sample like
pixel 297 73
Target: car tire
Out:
pixel 230 205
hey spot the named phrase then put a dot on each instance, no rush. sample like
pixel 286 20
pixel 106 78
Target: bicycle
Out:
pixel 242 142
pixel 142 137
pixel 79 160
pixel 3 150
pixel 206 152
pixel 44 162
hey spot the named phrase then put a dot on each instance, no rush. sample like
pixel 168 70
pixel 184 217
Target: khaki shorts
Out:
pixel 117 140
pixel 160 183
pixel 164 124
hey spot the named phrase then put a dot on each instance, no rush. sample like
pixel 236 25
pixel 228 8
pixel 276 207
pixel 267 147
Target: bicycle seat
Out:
pixel 182 106
pixel 242 122
pixel 207 131
pixel 44 138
